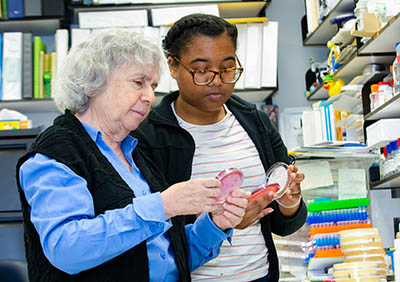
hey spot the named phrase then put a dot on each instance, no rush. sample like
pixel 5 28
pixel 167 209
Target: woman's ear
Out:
pixel 173 67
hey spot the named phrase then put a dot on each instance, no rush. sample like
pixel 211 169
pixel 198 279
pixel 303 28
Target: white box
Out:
pixel 382 132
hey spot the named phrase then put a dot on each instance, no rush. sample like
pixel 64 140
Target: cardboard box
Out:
pixel 382 132
pixel 15 124
pixel 9 124
pixel 371 26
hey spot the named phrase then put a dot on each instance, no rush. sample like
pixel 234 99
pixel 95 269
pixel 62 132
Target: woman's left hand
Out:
pixel 290 201
pixel 233 210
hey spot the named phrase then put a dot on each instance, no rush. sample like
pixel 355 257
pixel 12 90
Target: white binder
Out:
pixel 12 66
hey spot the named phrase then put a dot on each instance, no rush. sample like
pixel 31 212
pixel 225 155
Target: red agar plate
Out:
pixel 277 181
pixel 231 179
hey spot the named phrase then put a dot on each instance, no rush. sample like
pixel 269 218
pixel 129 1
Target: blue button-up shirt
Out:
pixel 74 239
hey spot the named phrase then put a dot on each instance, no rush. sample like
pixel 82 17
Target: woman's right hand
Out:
pixel 191 197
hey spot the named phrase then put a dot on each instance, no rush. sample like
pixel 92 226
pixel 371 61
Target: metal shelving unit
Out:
pixel 326 30
pixel 391 109
pixel 392 181
pixel 384 40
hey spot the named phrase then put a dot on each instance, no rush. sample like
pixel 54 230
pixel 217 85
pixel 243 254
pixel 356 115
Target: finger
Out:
pixel 240 193
pixel 265 212
pixel 237 210
pixel 292 168
pixel 239 202
pixel 213 192
pixel 211 182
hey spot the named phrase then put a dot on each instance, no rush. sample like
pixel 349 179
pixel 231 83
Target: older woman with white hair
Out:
pixel 95 208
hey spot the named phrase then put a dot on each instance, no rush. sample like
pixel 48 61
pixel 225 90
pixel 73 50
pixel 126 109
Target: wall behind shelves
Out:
pixel 292 55
pixel 292 58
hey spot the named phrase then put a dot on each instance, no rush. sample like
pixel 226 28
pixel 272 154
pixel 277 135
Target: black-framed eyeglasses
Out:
pixel 205 77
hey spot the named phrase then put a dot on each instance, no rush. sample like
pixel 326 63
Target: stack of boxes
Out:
pixel 364 256
pixel 326 220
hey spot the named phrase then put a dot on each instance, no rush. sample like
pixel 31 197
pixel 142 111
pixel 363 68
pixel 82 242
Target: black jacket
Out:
pixel 172 149
pixel 68 143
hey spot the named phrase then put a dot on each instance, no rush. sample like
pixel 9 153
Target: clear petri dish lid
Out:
pixel 277 180
pixel 231 179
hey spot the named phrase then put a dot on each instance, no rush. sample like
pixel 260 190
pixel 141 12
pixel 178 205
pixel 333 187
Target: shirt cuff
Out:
pixel 211 236
pixel 150 209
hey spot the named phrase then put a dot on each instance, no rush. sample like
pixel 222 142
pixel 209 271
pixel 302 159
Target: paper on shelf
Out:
pixel 167 16
pixel 317 174
pixel 351 183
pixel 108 19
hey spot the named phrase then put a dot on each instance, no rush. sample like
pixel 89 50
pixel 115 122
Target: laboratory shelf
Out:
pixel 326 30
pixel 30 105
pixel 36 26
pixel 392 181
pixel 227 8
pixel 318 94
pixel 355 65
pixel 391 109
pixel 384 40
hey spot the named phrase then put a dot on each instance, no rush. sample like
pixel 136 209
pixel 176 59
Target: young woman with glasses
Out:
pixel 203 129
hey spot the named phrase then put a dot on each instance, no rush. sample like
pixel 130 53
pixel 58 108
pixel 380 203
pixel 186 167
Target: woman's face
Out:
pixel 204 53
pixel 127 99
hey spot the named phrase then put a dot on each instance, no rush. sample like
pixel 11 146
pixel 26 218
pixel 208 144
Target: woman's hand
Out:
pixel 256 210
pixel 191 197
pixel 290 201
pixel 233 210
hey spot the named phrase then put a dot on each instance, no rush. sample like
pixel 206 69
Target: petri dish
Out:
pixel 277 180
pixel 231 179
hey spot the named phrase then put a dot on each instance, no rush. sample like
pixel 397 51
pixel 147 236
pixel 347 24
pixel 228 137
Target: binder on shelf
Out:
pixel 165 78
pixel 269 65
pixel 107 19
pixel 12 66
pixel 252 78
pixel 4 14
pixel 53 71
pixel 32 8
pixel 1 67
pixel 61 39
pixel 53 8
pixel 167 16
pixel 79 34
pixel 38 47
pixel 27 81
pixel 46 75
pixel 41 72
pixel 15 9
pixel 247 20
pixel 241 52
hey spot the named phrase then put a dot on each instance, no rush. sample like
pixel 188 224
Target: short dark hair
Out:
pixel 186 28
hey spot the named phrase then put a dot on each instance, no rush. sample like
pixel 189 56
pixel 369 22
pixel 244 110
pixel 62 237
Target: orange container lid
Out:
pixel 374 87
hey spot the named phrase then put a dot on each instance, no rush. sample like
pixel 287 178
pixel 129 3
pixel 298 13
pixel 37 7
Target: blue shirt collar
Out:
pixel 127 145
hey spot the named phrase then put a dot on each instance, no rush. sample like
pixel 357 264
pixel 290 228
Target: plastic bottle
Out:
pixel 389 77
pixel 385 163
pixel 389 160
pixel 385 91
pixel 382 163
pixel 374 97
pixel 396 70
pixel 395 155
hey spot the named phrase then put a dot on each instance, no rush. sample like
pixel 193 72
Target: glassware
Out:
pixel 231 179
pixel 277 180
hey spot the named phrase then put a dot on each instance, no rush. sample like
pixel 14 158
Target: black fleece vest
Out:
pixel 68 142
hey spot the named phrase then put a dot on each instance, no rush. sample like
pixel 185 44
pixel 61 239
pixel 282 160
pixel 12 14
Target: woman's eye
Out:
pixel 138 83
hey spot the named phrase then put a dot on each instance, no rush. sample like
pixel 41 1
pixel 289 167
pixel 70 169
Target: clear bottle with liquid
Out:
pixel 396 70
pixel 396 146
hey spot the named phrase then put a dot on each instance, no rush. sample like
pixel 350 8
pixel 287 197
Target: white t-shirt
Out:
pixel 219 146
